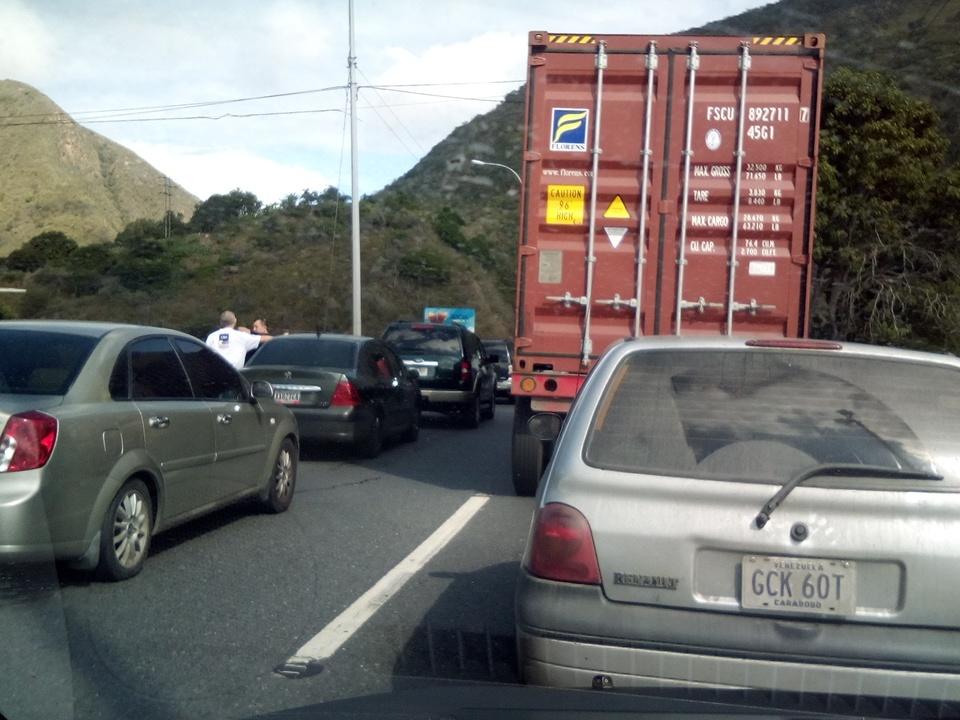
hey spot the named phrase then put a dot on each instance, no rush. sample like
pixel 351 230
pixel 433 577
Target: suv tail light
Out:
pixel 27 441
pixel 562 548
pixel 465 370
pixel 345 394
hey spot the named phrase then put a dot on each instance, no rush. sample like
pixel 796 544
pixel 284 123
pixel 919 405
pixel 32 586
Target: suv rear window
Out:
pixel 41 363
pixel 764 416
pixel 307 352
pixel 438 340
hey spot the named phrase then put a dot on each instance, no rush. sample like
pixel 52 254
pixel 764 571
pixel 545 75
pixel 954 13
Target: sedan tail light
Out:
pixel 27 441
pixel 346 394
pixel 562 547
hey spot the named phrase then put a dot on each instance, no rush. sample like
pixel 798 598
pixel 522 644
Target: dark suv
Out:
pixel 456 374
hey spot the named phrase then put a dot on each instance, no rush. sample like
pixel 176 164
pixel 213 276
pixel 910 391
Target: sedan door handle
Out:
pixel 224 418
pixel 159 421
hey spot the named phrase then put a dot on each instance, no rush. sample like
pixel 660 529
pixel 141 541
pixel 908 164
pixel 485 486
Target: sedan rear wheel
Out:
pixel 283 481
pixel 372 444
pixel 125 532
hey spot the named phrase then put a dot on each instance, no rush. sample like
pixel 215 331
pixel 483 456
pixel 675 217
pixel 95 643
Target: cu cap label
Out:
pixel 568 129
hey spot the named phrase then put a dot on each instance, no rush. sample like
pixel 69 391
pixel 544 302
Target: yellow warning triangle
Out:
pixel 617 209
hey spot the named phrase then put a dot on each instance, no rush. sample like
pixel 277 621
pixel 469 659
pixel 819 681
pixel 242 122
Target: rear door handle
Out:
pixel 224 418
pixel 159 421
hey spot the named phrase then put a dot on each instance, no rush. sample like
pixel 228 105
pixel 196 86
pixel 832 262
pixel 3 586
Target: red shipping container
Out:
pixel 651 162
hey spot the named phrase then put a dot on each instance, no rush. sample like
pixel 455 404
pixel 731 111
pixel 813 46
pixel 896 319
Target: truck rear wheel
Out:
pixel 528 455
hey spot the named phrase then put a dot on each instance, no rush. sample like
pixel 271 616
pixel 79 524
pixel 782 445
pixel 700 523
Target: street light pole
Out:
pixel 474 161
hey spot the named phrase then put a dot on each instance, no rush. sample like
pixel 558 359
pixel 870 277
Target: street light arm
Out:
pixel 474 161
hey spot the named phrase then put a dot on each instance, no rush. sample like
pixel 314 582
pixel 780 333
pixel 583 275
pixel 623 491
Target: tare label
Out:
pixel 565 204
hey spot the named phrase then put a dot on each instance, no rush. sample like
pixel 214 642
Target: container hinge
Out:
pixel 752 307
pixel 700 305
pixel 618 303
pixel 568 300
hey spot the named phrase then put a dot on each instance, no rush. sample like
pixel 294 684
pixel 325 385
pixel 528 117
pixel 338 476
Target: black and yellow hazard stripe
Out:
pixel 777 40
pixel 573 39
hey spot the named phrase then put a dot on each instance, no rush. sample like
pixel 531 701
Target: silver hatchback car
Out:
pixel 771 515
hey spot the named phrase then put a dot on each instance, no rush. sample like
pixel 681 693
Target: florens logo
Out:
pixel 568 129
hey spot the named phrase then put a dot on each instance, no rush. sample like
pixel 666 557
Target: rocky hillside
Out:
pixel 58 176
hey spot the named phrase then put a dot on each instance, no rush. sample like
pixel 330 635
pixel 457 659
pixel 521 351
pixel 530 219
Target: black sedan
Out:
pixel 341 388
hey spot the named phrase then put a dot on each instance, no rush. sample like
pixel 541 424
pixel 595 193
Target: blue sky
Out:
pixel 107 55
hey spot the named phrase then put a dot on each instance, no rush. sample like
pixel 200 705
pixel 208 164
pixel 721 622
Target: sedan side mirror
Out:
pixel 261 389
pixel 545 426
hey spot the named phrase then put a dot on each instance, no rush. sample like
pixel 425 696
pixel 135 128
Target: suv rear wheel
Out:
pixel 471 413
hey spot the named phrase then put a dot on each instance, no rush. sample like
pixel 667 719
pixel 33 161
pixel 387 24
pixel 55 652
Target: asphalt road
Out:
pixel 225 601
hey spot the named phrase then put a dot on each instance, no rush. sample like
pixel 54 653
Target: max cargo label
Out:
pixel 565 204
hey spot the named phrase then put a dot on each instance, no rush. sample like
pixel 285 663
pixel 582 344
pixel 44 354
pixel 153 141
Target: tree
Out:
pixel 50 247
pixel 219 209
pixel 885 257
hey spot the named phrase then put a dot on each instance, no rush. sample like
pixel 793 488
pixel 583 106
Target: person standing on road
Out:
pixel 259 327
pixel 232 343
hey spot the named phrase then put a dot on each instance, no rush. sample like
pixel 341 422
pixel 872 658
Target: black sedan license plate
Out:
pixel 290 397
pixel 798 585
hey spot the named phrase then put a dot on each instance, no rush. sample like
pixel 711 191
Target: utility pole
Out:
pixel 167 206
pixel 354 181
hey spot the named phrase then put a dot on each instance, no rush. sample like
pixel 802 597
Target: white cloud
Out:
pixel 204 171
pixel 27 48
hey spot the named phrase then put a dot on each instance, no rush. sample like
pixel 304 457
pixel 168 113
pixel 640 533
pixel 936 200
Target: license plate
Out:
pixel 798 585
pixel 290 397
pixel 422 371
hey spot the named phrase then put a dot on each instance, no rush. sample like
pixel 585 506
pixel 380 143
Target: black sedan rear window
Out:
pixel 766 415
pixel 424 340
pixel 41 363
pixel 307 352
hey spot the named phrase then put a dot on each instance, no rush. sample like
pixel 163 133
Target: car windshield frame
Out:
pixel 922 457
pixel 424 335
pixel 60 380
pixel 268 350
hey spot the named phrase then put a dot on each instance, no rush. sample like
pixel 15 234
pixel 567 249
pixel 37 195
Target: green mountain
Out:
pixel 58 176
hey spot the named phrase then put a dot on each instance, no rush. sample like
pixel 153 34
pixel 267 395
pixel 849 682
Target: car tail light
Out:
pixel 465 370
pixel 346 394
pixel 562 548
pixel 27 441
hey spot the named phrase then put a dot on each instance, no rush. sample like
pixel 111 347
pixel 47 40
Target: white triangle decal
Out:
pixel 615 234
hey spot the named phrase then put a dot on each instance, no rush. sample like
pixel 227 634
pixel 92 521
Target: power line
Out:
pixel 397 117
pixel 439 95
pixel 135 110
pixel 392 131
pixel 66 120
pixel 180 106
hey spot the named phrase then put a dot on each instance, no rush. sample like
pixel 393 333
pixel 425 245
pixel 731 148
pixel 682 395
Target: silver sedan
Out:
pixel 112 433
pixel 732 515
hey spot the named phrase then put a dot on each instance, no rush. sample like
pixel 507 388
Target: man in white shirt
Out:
pixel 231 343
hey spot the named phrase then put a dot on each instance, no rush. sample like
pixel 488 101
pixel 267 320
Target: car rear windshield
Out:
pixel 307 352
pixel 425 341
pixel 765 415
pixel 496 348
pixel 41 363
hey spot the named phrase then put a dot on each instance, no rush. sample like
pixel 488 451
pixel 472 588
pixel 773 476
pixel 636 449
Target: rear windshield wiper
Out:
pixel 840 470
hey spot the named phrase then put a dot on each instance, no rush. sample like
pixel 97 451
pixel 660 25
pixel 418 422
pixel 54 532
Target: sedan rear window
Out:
pixel 41 363
pixel 763 415
pixel 425 341
pixel 307 352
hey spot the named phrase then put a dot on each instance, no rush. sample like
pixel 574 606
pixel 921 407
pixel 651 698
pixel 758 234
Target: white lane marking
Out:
pixel 326 642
